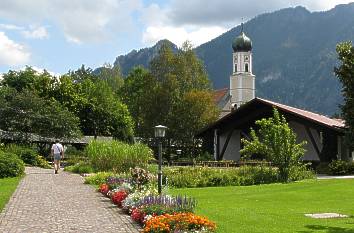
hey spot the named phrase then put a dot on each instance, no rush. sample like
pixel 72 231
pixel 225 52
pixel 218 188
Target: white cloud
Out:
pixel 222 12
pixel 10 27
pixel 178 35
pixel 80 21
pixel 177 20
pixel 200 21
pixel 12 53
pixel 36 32
pixel 41 70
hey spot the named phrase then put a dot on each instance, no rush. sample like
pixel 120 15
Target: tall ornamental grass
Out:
pixel 117 156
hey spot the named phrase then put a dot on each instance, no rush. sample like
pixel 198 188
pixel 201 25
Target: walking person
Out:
pixel 58 154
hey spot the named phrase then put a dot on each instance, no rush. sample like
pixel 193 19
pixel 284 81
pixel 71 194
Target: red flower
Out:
pixel 138 215
pixel 118 197
pixel 103 189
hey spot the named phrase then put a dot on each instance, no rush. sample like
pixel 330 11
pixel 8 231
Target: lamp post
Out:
pixel 160 132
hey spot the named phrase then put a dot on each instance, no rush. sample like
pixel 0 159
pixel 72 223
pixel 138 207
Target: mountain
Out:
pixel 141 57
pixel 293 56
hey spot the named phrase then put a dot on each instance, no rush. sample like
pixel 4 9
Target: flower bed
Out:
pixel 156 213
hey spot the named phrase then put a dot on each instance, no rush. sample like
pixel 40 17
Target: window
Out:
pixel 235 68
pixel 246 67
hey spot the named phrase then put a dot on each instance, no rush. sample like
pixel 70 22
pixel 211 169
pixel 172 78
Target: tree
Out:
pixel 275 140
pixel 25 114
pixel 345 73
pixel 103 114
pixel 195 111
pixel 113 77
pixel 137 93
pixel 41 83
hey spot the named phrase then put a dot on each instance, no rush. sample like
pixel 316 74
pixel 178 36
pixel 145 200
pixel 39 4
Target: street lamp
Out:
pixel 160 132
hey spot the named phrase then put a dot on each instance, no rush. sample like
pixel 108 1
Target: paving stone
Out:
pixel 48 202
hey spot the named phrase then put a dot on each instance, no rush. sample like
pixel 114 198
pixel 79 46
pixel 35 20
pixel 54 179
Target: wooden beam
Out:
pixel 309 133
pixel 245 135
pixel 226 144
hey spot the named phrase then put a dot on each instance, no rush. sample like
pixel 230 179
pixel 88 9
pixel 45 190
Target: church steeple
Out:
pixel 242 81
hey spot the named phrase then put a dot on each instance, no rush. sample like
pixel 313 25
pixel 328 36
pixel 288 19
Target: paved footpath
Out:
pixel 45 202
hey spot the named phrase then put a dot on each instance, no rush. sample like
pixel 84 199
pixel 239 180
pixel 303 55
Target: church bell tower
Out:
pixel 242 81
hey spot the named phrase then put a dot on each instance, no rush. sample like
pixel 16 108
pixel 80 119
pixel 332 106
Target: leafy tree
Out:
pixel 138 93
pixel 103 114
pixel 275 140
pixel 195 111
pixel 113 77
pixel 41 83
pixel 83 93
pixel 345 73
pixel 175 93
pixel 24 113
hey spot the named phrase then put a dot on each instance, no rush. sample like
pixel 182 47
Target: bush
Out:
pixel 98 178
pixel 187 177
pixel 80 168
pixel 339 167
pixel 10 165
pixel 28 155
pixel 300 173
pixel 117 156
pixel 74 156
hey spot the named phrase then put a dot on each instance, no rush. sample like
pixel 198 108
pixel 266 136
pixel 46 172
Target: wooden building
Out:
pixel 324 136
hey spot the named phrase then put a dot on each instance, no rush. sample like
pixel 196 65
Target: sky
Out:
pixel 61 35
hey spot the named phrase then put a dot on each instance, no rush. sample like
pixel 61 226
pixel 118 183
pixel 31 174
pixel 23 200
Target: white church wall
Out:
pixel 232 151
pixel 302 135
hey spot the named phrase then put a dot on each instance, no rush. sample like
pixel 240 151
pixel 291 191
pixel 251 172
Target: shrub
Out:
pixel 276 141
pixel 80 168
pixel 28 155
pixel 140 177
pixel 98 178
pixel 10 165
pixel 188 177
pixel 74 156
pixel 300 173
pixel 339 167
pixel 117 156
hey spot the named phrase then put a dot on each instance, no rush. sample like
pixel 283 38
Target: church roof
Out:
pixel 242 43
pixel 220 94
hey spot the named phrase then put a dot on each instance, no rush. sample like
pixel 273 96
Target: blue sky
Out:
pixel 61 35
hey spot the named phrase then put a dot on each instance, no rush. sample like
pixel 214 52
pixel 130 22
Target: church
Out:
pixel 240 109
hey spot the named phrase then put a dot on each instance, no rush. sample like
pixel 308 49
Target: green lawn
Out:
pixel 277 207
pixel 7 187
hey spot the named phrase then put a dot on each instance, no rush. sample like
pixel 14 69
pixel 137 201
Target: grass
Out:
pixel 7 187
pixel 277 207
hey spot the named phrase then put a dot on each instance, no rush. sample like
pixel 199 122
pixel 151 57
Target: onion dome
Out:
pixel 242 43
